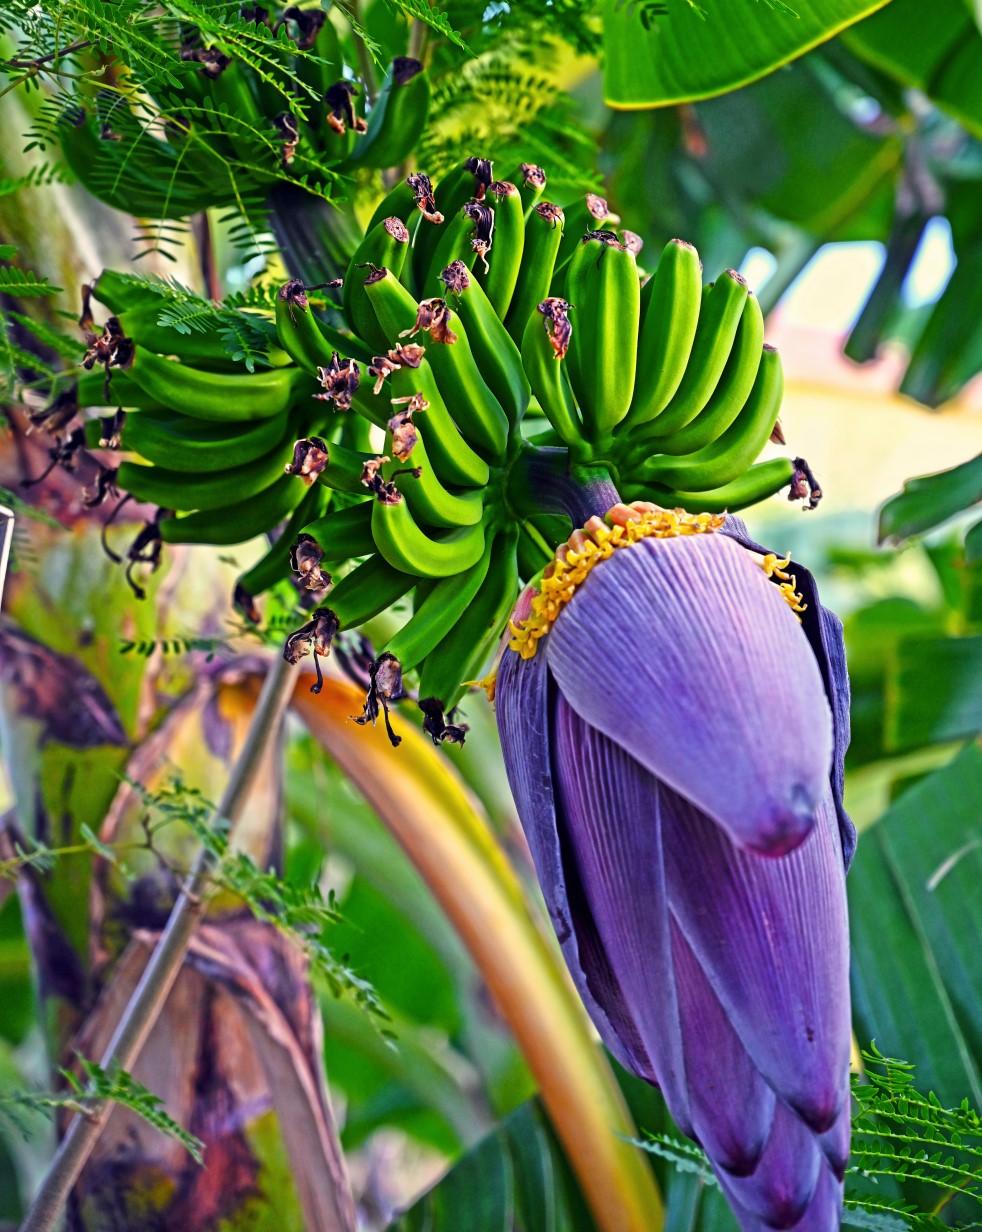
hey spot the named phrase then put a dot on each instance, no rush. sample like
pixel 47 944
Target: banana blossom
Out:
pixel 673 710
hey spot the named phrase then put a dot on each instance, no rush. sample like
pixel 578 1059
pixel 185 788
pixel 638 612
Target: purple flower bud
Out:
pixel 674 734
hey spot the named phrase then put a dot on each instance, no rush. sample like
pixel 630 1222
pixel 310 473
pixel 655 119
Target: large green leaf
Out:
pixel 934 692
pixel 929 500
pixel 936 48
pixel 658 54
pixel 916 919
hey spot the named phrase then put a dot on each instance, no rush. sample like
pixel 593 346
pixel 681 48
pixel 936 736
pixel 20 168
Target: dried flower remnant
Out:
pixel 305 560
pixel 632 241
pixel 483 218
pixel 315 636
pixel 425 201
pixel 533 176
pixel 384 490
pixel 57 415
pixel 288 130
pixel 385 686
pixel 405 355
pixel 551 213
pixel 804 485
pixel 482 171
pixel 341 115
pixel 437 726
pixel 555 313
pixel 433 316
pixel 212 61
pixel 403 430
pixel 340 382
pixel 309 23
pixel 310 456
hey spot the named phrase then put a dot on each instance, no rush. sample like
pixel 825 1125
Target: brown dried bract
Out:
pixel 804 486
pixel 213 62
pixel 406 355
pixel 340 382
pixel 483 218
pixel 435 723
pixel 385 491
pixel 111 349
pixel 481 170
pixel 533 176
pixel 316 635
pixel 777 434
pixel 404 434
pixel 289 131
pixel 551 213
pixel 632 241
pixel 310 456
pixel 503 188
pixel 607 238
pixel 305 560
pixel 404 69
pixel 455 277
pixel 558 326
pixel 433 316
pixel 425 201
pixel 309 23
pixel 384 688
pixel 57 415
pixel 597 207
pixel 397 229
pixel 341 114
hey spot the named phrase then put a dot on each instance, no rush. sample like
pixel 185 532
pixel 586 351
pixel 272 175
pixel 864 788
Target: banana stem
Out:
pixel 162 970
pixel 545 480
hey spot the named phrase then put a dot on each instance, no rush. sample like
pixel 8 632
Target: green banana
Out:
pixel 730 394
pixel 273 566
pixel 603 288
pixel 585 214
pixel 549 382
pixel 183 490
pixel 671 300
pixel 543 234
pixel 228 397
pixel 243 122
pixel 476 411
pixel 459 240
pixel 385 246
pixel 123 391
pixel 719 317
pixel 465 650
pixel 343 533
pixel 123 292
pixel 201 348
pixel 238 522
pixel 405 546
pixel 198 445
pixel 452 458
pixel 755 484
pixel 443 605
pixel 505 257
pixel 496 354
pixel 368 589
pixel 729 455
pixel 309 343
pixel 429 501
pixel 397 118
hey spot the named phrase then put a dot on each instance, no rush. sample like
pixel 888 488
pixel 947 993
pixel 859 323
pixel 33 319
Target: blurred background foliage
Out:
pixel 781 156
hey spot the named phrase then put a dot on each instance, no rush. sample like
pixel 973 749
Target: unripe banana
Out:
pixel 385 246
pixel 444 604
pixel 497 356
pixel 756 484
pixel 505 257
pixel 237 522
pixel 735 451
pixel 429 501
pixel 464 183
pixel 453 459
pixel 218 395
pixel 476 410
pixel 671 302
pixel 310 344
pixel 719 317
pixel 412 200
pixel 465 650
pixel 343 533
pixel 401 542
pixel 531 181
pixel 397 118
pixel 603 288
pixel 199 446
pixel 730 394
pixel 122 391
pixel 186 490
pixel 465 236
pixel 542 360
pixel 367 590
pixel 543 234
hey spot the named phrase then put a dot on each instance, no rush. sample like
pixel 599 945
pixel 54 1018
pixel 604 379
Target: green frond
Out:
pixel 23 284
pixel 419 10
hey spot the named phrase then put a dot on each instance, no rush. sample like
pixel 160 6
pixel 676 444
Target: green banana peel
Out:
pixel 423 802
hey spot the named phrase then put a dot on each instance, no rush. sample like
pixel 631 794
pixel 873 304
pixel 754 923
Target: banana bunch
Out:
pixel 275 101
pixel 502 353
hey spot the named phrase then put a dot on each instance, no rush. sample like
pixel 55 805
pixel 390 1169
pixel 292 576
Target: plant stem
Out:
pixel 545 480
pixel 162 970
